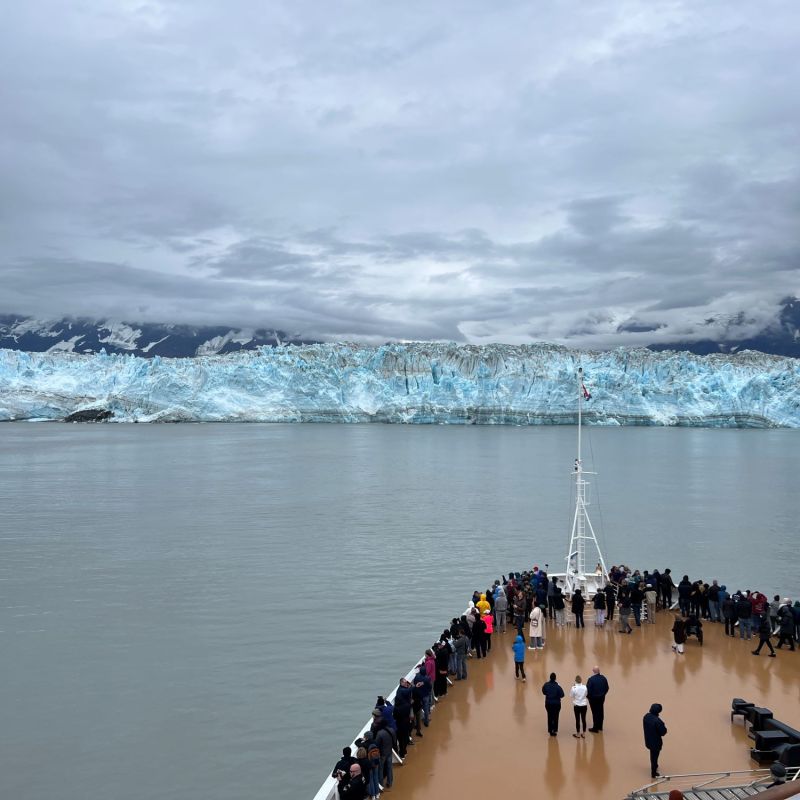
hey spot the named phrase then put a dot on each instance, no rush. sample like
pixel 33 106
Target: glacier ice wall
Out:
pixel 410 383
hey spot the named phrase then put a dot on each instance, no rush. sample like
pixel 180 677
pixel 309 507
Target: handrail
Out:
pixel 762 774
pixel 328 789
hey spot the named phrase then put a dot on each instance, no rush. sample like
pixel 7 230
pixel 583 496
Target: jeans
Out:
pixel 713 606
pixel 683 604
pixel 426 709
pixel 745 628
pixel 637 613
pixel 461 666
pixel 601 616
pixel 579 619
pixel 388 775
pixel 560 619
pixel 374 781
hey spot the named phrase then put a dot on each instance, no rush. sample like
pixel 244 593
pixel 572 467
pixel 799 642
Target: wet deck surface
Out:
pixel 489 735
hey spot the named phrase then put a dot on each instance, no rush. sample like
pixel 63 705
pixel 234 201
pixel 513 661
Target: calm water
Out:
pixel 196 612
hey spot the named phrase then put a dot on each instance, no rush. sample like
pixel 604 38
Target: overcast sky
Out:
pixel 473 171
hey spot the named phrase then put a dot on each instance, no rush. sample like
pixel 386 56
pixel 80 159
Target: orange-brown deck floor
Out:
pixel 488 737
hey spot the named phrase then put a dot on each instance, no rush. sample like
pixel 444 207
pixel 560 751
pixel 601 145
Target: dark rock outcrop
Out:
pixel 90 415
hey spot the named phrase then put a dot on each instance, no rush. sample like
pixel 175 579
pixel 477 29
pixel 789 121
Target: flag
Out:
pixel 586 395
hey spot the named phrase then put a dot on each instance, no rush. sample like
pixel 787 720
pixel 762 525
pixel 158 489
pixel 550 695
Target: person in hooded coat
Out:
pixel 402 715
pixel 501 610
pixel 487 634
pixel 764 634
pixel 479 636
pixel 654 732
pixel 578 602
pixel 442 658
pixel 519 657
pixel 552 703
pixel 679 633
pixel 483 604
pixel 537 623
pixel 785 625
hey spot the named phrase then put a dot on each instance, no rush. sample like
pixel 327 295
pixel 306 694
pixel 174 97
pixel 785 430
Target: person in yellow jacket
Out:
pixel 483 605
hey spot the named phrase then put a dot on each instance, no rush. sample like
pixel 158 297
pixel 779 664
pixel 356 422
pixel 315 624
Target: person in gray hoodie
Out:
pixel 460 650
pixel 500 610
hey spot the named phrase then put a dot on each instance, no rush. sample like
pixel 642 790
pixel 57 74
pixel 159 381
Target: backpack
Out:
pixel 374 754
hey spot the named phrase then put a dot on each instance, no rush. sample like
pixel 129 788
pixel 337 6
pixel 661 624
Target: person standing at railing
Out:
pixel 355 788
pixel 489 623
pixel 558 603
pixel 519 611
pixel 611 601
pixel 637 598
pixel 460 650
pixel 500 610
pixel 785 625
pixel 537 628
pixel 667 585
pixel 744 613
pixel 625 610
pixel 578 603
pixel 423 689
pixel 599 603
pixel 684 595
pixel 402 715
pixel 650 598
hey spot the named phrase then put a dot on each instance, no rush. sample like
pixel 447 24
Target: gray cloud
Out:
pixel 613 175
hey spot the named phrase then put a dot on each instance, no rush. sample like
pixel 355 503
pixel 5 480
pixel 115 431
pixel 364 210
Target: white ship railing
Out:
pixel 758 776
pixel 328 789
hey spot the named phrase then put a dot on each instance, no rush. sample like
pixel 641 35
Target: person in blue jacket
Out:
pixel 519 657
pixel 552 703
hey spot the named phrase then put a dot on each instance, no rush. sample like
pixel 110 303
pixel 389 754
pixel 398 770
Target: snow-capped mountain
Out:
pixel 726 335
pixel 146 340
pixel 413 383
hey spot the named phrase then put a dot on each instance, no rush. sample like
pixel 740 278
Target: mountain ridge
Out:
pixel 174 340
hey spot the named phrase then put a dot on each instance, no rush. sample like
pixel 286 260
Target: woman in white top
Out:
pixel 579 703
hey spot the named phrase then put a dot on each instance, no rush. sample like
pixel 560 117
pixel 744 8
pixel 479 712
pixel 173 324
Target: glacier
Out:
pixel 407 383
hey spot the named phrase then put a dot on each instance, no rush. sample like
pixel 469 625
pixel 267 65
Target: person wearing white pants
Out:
pixel 678 633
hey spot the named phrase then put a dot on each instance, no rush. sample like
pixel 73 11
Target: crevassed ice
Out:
pixel 409 383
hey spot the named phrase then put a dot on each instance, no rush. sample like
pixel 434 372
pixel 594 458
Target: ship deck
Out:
pixel 489 734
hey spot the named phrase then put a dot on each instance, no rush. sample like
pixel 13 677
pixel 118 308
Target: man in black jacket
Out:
pixel 356 787
pixel 552 703
pixel 654 732
pixel 597 689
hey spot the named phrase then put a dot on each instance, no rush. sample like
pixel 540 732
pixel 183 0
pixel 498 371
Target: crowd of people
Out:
pixel 534 598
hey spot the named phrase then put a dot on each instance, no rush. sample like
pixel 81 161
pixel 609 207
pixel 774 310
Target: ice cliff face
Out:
pixel 412 383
